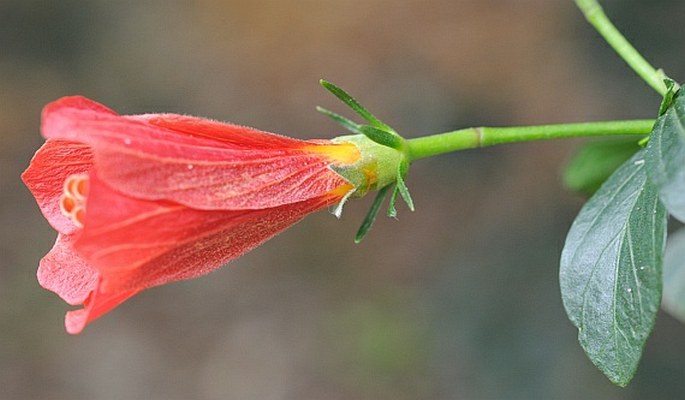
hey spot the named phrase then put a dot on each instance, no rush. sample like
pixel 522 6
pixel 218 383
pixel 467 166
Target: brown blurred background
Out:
pixel 458 300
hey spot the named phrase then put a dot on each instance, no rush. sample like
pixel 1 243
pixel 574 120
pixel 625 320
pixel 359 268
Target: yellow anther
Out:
pixel 72 203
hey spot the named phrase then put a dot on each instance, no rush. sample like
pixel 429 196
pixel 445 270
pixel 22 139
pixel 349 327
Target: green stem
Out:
pixel 595 15
pixel 470 138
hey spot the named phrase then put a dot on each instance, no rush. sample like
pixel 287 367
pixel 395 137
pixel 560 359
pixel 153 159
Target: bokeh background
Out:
pixel 458 300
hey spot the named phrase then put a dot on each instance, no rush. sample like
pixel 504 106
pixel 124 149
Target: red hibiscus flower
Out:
pixel 142 200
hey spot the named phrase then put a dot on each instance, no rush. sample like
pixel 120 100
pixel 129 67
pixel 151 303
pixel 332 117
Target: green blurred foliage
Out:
pixel 595 161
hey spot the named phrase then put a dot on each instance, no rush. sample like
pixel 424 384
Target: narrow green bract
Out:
pixel 344 122
pixel 371 215
pixel 354 105
pixel 610 273
pixel 382 137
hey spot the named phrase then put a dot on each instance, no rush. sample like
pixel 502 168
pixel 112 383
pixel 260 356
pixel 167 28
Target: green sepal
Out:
pixel 354 105
pixel 382 137
pixel 371 215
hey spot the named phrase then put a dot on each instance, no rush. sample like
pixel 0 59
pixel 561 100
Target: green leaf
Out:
pixel 674 275
pixel 354 105
pixel 610 273
pixel 595 161
pixel 371 215
pixel 665 157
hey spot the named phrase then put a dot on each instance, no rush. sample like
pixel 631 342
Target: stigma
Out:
pixel 72 203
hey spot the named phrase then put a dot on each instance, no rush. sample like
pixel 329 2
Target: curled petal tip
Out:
pixel 75 321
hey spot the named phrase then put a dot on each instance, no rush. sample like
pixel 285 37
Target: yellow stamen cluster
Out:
pixel 72 203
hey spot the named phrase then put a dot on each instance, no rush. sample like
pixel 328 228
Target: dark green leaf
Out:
pixel 665 157
pixel 674 275
pixel 372 214
pixel 354 105
pixel 610 273
pixel 595 162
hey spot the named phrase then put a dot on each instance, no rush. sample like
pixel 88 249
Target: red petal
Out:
pixel 235 135
pixel 77 102
pixel 66 273
pixel 152 134
pixel 245 181
pixel 137 244
pixel 45 176
pixel 200 163
pixel 96 305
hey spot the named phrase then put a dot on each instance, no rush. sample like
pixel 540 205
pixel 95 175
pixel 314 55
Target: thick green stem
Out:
pixel 470 138
pixel 595 15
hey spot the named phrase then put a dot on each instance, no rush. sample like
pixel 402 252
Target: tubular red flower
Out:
pixel 140 201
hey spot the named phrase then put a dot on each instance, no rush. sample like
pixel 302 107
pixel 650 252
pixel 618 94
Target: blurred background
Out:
pixel 458 300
